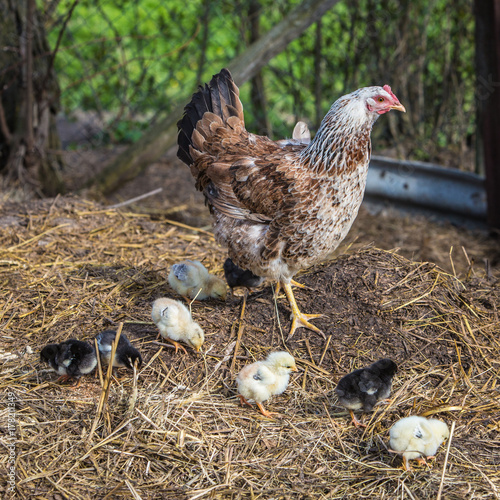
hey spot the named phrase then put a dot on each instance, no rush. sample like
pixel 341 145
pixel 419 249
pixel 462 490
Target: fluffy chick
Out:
pixel 126 354
pixel 263 379
pixel 363 388
pixel 301 135
pixel 174 321
pixel 237 277
pixel 70 359
pixel 190 278
pixel 417 438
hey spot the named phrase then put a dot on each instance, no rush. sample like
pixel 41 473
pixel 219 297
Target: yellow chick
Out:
pixel 174 321
pixel 417 438
pixel 190 278
pixel 263 379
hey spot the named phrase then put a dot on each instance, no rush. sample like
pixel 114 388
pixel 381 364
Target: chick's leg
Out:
pixel 77 385
pixel 176 345
pixel 299 319
pixel 244 401
pixel 268 414
pixel 355 421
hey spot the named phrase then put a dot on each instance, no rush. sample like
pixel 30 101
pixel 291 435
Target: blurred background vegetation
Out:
pixel 130 63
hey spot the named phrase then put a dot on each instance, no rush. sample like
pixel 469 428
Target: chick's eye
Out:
pixel 380 99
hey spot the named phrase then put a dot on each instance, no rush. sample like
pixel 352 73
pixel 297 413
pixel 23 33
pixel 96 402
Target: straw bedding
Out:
pixel 71 268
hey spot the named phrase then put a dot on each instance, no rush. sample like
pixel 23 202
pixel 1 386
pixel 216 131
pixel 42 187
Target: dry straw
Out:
pixel 175 429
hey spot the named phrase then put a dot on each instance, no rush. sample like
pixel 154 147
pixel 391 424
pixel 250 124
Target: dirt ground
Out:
pixel 71 267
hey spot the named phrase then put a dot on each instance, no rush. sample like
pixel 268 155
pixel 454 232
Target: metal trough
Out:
pixel 425 186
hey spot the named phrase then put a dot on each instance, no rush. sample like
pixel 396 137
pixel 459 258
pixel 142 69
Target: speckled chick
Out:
pixel 417 438
pixel 126 354
pixel 174 321
pixel 263 379
pixel 70 359
pixel 237 277
pixel 190 278
pixel 363 388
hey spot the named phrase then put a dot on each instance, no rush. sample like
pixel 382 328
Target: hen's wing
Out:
pixel 242 175
pixel 245 176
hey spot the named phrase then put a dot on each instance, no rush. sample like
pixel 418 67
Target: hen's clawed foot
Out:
pixel 300 320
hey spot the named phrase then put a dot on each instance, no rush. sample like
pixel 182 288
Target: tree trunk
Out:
pixel 164 134
pixel 488 101
pixel 29 100
pixel 257 92
pixel 318 57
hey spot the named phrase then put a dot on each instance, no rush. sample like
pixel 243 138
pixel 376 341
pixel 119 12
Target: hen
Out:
pixel 280 208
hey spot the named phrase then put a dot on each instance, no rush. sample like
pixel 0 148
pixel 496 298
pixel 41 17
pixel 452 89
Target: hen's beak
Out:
pixel 399 107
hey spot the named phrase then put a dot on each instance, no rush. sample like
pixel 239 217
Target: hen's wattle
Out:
pixel 279 208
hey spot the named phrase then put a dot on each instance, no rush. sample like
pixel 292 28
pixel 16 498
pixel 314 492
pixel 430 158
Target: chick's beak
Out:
pixel 295 369
pixel 398 107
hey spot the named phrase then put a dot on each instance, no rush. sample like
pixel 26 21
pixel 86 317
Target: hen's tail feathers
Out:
pixel 220 97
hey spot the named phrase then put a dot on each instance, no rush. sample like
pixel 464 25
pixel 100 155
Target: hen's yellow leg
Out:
pixel 292 282
pixel 300 319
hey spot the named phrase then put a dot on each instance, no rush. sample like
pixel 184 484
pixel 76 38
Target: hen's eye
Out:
pixel 380 99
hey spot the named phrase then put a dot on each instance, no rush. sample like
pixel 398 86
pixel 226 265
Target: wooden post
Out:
pixel 487 14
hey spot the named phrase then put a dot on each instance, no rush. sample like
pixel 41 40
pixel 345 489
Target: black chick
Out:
pixel 70 359
pixel 363 388
pixel 237 277
pixel 126 354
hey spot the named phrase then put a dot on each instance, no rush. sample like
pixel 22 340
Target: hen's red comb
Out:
pixel 389 91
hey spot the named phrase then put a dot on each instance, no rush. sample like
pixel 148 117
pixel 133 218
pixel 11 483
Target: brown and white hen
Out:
pixel 280 208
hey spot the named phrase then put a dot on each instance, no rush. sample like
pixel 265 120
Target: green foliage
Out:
pixel 134 60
